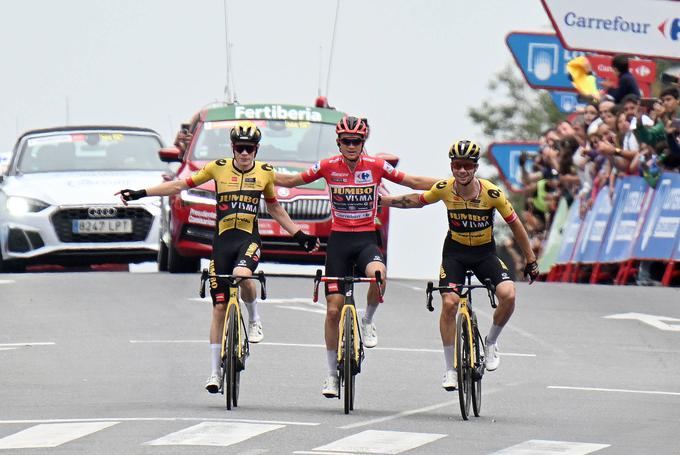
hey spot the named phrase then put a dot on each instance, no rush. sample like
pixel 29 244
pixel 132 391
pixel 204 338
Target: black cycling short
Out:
pixel 481 260
pixel 346 249
pixel 241 252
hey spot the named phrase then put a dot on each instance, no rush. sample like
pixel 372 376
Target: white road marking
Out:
pixel 404 285
pixel 7 281
pixel 374 441
pixel 214 434
pixel 650 319
pixel 401 414
pixel 305 345
pixel 540 447
pixel 13 345
pixel 309 310
pixel 596 389
pixel 51 435
pixel 161 419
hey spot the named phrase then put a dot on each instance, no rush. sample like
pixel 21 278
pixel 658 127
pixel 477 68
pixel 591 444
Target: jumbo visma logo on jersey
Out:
pixel 353 198
pixel 471 227
pixel 238 210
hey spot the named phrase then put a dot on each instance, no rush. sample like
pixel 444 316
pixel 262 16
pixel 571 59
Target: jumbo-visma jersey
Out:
pixel 237 192
pixel 471 222
pixel 354 194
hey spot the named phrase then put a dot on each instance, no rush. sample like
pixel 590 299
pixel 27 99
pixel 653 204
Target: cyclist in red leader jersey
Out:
pixel 353 179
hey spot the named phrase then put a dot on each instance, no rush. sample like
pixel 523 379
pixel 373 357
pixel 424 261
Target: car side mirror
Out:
pixel 392 159
pixel 169 155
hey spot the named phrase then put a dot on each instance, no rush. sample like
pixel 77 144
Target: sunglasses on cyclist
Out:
pixel 247 148
pixel 352 141
pixel 461 165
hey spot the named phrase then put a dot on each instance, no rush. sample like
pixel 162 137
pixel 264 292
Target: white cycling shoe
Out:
pixel 491 358
pixel 255 334
pixel 331 387
pixel 214 383
pixel 450 382
pixel 369 334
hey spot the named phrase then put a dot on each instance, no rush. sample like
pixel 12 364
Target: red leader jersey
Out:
pixel 354 194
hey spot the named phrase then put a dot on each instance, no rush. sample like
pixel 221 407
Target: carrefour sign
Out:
pixel 273 112
pixel 650 28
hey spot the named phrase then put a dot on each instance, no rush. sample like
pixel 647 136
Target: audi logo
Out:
pixel 102 212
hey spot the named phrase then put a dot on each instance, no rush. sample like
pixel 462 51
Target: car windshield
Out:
pixel 90 151
pixel 282 140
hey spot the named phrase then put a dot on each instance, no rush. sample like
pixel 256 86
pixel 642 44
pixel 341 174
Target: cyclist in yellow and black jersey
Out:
pixel 471 203
pixel 240 182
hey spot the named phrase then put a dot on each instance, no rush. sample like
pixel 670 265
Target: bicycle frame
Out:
pixel 464 291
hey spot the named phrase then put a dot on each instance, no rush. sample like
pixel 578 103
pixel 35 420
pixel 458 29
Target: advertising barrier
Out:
pixel 552 245
pixel 594 228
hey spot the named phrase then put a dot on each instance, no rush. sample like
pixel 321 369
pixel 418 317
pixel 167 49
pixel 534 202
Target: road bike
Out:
pixel 468 354
pixel 235 347
pixel 350 345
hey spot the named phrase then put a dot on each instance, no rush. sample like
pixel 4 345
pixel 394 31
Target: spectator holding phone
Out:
pixel 670 99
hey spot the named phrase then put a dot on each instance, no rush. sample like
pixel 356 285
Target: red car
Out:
pixel 293 139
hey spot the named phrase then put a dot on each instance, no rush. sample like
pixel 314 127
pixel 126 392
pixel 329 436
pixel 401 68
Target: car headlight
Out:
pixel 17 205
pixel 198 196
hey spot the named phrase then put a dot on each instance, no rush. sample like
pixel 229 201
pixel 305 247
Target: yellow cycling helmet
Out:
pixel 246 131
pixel 465 150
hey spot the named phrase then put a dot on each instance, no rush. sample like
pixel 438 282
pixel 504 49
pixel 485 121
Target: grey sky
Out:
pixel 412 67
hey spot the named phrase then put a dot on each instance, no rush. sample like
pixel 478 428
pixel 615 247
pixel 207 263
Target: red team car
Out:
pixel 293 139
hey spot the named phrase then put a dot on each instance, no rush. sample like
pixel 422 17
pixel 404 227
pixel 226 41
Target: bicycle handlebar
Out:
pixel 461 290
pixel 319 278
pixel 233 280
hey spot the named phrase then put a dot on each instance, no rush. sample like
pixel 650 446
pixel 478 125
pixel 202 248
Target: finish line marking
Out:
pixel 596 389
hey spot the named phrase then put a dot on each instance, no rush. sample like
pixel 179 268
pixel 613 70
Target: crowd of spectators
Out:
pixel 620 134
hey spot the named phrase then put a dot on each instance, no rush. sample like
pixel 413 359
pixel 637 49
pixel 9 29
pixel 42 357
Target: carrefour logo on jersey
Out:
pixel 277 112
pixel 363 177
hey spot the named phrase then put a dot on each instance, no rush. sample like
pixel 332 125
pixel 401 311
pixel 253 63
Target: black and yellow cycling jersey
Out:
pixel 471 221
pixel 237 192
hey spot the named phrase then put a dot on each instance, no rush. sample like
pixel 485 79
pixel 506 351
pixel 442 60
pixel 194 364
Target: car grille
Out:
pixel 301 209
pixel 63 225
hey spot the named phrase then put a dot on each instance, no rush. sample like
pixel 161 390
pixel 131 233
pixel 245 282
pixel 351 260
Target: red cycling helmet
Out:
pixel 352 125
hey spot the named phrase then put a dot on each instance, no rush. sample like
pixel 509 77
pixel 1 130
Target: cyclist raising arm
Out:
pixel 470 244
pixel 353 179
pixel 239 184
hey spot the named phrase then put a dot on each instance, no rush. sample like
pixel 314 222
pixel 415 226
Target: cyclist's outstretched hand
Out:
pixel 309 243
pixel 130 195
pixel 531 271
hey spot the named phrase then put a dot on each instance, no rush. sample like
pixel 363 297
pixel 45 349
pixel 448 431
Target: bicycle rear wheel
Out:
pixel 478 370
pixel 231 375
pixel 347 355
pixel 463 365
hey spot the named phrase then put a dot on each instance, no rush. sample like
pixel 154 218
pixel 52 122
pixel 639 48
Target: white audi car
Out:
pixel 57 203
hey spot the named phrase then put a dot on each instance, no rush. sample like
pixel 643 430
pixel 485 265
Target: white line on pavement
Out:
pixel 12 345
pixel 408 413
pixel 537 446
pixel 597 389
pixel 51 434
pixel 160 419
pixel 309 310
pixel 214 434
pixel 7 281
pixel 307 345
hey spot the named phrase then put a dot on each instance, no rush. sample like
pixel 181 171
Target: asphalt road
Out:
pixel 115 362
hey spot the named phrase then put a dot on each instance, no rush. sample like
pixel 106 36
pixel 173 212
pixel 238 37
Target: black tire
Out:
pixel 162 258
pixel 230 354
pixel 477 379
pixel 181 264
pixel 463 366
pixel 347 356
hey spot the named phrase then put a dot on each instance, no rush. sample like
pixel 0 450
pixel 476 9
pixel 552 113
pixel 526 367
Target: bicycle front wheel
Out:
pixel 463 365
pixel 477 369
pixel 347 355
pixel 231 375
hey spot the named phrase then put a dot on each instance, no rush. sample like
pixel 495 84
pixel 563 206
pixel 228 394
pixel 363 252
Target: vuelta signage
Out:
pixel 650 27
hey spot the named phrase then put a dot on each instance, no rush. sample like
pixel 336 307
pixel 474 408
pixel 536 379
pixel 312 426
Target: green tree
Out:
pixel 515 112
